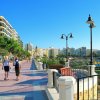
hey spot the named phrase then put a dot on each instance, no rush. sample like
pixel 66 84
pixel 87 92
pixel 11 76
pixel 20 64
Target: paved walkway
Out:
pixel 31 85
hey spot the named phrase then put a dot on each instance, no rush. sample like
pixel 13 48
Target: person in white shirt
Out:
pixel 6 67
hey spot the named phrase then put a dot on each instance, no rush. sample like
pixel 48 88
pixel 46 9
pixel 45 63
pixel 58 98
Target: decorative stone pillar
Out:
pixel 92 69
pixel 66 87
pixel 67 64
pixel 50 77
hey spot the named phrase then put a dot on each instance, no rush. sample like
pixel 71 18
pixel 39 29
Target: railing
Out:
pixel 56 75
pixel 89 89
pixel 77 73
pixel 85 87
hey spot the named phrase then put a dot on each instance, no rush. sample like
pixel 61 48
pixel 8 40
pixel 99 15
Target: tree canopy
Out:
pixel 9 45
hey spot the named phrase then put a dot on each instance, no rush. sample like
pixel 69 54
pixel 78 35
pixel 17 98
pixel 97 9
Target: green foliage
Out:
pixel 52 63
pixel 62 62
pixel 9 45
pixel 61 58
pixel 3 42
pixel 79 63
pixel 3 52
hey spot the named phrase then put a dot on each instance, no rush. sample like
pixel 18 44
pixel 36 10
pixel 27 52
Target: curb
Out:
pixel 52 93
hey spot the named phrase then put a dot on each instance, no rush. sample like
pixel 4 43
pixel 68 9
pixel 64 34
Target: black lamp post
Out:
pixel 66 37
pixel 91 25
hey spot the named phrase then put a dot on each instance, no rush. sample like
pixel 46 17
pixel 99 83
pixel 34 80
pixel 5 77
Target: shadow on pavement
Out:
pixel 30 95
pixel 28 92
pixel 36 74
pixel 34 82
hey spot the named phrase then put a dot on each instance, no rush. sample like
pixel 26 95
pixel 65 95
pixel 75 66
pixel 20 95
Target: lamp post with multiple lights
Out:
pixel 66 37
pixel 91 25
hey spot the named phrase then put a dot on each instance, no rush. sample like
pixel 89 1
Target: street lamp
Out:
pixel 66 37
pixel 91 25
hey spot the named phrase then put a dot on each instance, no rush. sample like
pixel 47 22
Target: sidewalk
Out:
pixel 31 85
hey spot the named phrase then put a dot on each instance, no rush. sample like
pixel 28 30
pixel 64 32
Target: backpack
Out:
pixel 16 64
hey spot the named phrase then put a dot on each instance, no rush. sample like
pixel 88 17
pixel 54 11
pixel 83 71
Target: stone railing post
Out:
pixel 92 68
pixel 66 87
pixel 50 77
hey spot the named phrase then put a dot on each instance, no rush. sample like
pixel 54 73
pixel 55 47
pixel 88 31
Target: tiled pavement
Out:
pixel 31 85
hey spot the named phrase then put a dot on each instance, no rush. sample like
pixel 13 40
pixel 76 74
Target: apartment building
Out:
pixel 53 52
pixel 6 29
pixel 81 52
pixel 71 51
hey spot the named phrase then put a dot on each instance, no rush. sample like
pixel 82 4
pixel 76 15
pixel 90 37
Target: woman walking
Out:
pixel 17 68
pixel 6 67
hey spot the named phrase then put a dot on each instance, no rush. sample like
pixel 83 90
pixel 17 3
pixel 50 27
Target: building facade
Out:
pixel 6 29
pixel 53 52
pixel 71 51
pixel 83 51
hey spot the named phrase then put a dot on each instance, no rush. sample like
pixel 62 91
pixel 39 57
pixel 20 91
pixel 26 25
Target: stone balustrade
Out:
pixel 68 86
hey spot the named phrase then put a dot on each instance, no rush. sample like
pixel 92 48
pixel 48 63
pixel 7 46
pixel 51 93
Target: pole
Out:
pixel 66 47
pixel 90 45
pixel 90 48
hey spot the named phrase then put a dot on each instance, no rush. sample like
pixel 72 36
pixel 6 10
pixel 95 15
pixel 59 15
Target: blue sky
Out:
pixel 42 22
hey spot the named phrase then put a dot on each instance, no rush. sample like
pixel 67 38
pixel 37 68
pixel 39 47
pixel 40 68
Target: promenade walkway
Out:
pixel 31 85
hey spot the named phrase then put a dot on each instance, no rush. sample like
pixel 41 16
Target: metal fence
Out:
pixel 93 88
pixel 56 75
pixel 76 73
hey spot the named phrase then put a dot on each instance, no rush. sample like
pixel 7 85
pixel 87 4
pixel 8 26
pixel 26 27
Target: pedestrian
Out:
pixel 6 67
pixel 17 68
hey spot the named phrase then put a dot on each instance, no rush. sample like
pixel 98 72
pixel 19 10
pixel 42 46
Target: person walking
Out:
pixel 6 67
pixel 17 68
